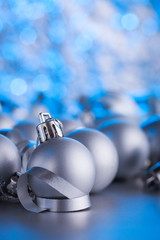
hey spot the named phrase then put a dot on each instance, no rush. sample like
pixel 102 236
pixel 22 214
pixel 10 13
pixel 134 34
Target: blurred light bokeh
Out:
pixel 65 49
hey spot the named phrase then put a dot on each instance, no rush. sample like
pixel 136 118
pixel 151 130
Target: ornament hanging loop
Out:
pixel 48 128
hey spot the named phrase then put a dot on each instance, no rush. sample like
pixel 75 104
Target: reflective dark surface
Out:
pixel 123 211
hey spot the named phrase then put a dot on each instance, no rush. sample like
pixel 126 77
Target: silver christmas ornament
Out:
pixel 70 125
pixel 100 123
pixel 119 103
pixel 27 129
pixel 65 157
pixel 111 102
pixel 131 144
pixel 24 146
pixel 103 153
pixel 6 121
pixel 60 170
pixel 151 128
pixel 13 134
pixel 10 161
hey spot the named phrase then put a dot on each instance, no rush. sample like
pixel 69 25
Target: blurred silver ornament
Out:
pixel 131 144
pixel 100 123
pixel 70 125
pixel 119 103
pixel 151 128
pixel 6 121
pixel 27 129
pixel 13 134
pixel 10 161
pixel 65 157
pixel 103 153
pixel 24 146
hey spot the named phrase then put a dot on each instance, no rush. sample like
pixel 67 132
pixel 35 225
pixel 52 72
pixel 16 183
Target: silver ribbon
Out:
pixel 75 200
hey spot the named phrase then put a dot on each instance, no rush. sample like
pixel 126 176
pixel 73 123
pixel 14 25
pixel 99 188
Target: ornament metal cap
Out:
pixel 48 128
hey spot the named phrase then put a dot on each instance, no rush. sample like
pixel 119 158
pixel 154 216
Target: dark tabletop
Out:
pixel 123 211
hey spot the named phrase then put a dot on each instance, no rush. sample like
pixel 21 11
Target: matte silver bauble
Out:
pixel 111 116
pixel 103 153
pixel 13 134
pixel 70 125
pixel 24 146
pixel 131 144
pixel 119 103
pixel 64 157
pixel 27 130
pixel 10 161
pixel 68 159
pixel 6 121
pixel 151 128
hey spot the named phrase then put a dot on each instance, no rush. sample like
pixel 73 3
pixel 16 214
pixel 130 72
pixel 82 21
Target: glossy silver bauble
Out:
pixel 6 121
pixel 132 147
pixel 10 161
pixel 151 128
pixel 70 125
pixel 68 159
pixel 103 153
pixel 27 129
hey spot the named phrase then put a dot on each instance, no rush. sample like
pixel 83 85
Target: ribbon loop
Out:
pixel 75 200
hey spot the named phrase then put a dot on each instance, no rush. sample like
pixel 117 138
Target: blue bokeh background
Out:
pixel 64 49
pixel 52 54
pixel 57 51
